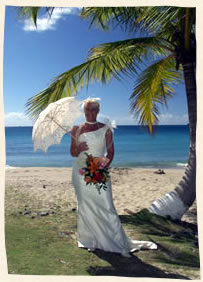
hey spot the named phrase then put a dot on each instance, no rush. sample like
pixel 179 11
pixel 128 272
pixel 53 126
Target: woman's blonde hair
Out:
pixel 91 100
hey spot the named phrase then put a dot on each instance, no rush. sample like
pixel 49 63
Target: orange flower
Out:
pixel 93 165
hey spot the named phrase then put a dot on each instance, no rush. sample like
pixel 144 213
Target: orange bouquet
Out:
pixel 95 172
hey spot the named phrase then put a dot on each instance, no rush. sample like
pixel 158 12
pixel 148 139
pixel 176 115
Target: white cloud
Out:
pixel 126 120
pixel 17 119
pixel 173 119
pixel 46 23
pixel 164 119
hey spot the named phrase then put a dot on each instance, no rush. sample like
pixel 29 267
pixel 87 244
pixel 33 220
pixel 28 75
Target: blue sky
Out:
pixel 32 58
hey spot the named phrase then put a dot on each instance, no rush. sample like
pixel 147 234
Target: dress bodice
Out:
pixel 96 142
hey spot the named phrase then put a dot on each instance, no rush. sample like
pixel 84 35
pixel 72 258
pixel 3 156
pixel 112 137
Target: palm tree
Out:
pixel 165 55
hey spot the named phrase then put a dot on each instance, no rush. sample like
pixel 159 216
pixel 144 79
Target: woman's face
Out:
pixel 91 110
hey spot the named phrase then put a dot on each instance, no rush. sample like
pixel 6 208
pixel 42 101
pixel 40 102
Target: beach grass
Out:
pixel 47 245
pixel 36 248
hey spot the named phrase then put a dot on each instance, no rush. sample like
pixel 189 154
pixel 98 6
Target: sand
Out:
pixel 133 188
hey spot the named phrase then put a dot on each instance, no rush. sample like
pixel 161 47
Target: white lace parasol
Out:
pixel 56 120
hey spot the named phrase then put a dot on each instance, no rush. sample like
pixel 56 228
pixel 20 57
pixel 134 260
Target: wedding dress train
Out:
pixel 99 226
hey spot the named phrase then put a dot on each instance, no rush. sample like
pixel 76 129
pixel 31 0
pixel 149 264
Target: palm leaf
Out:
pixel 164 20
pixel 110 17
pixel 153 88
pixel 29 12
pixel 33 12
pixel 101 16
pixel 104 62
pixel 154 18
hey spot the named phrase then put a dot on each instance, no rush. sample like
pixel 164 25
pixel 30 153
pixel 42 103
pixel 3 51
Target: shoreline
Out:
pixel 181 167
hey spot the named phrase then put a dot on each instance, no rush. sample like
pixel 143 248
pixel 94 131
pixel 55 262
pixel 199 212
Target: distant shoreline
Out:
pixel 116 125
pixel 113 167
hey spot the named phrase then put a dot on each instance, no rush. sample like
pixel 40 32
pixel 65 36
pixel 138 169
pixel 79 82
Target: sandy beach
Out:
pixel 133 188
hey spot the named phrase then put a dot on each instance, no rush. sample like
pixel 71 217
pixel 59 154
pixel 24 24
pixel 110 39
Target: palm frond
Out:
pixel 101 16
pixel 110 17
pixel 33 12
pixel 158 18
pixel 155 18
pixel 29 12
pixel 152 20
pixel 153 88
pixel 104 62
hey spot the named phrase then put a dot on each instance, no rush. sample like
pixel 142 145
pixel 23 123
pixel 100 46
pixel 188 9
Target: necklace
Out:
pixel 89 122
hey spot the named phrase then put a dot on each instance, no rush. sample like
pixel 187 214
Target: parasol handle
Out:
pixel 62 127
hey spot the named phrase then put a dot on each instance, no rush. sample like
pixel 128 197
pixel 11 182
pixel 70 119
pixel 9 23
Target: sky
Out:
pixel 33 57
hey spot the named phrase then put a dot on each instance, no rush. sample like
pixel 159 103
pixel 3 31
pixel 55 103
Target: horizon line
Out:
pixel 116 125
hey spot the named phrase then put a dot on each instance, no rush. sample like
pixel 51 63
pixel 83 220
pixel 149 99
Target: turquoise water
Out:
pixel 134 147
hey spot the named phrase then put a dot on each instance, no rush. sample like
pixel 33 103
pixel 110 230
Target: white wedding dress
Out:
pixel 99 226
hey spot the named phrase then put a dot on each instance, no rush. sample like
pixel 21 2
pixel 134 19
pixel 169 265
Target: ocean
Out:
pixel 134 147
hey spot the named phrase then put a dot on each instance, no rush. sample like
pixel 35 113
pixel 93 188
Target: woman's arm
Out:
pixel 109 147
pixel 76 148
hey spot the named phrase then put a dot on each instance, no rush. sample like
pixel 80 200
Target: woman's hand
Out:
pixel 104 162
pixel 82 146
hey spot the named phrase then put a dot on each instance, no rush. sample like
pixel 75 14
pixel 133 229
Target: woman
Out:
pixel 98 223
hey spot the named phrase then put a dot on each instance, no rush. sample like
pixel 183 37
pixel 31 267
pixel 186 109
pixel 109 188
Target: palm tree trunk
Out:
pixel 177 202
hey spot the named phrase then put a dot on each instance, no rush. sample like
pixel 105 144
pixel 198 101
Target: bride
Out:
pixel 99 226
